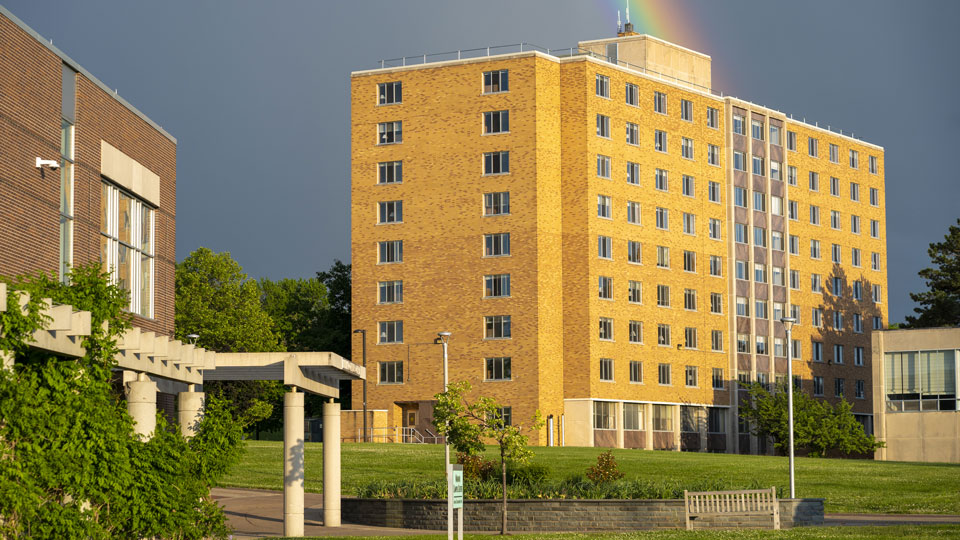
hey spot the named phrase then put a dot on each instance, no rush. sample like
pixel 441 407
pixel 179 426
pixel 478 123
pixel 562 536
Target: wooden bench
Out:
pixel 751 502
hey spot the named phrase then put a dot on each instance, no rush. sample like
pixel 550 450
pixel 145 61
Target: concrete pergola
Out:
pixel 149 363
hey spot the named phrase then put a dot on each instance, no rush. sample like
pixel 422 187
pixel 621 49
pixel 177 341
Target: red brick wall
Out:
pixel 30 83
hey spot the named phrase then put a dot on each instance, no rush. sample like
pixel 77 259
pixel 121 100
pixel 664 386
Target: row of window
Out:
pixel 495 369
pixel 494 82
pixel 494 286
pixel 635 256
pixel 494 327
pixel 661 417
pixel 635 328
pixel 632 98
pixel 635 295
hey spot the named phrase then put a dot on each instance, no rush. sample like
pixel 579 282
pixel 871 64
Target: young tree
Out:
pixel 465 425
pixel 940 304
pixel 818 426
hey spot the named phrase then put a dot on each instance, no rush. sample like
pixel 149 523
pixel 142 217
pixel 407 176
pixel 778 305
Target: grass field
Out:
pixel 856 486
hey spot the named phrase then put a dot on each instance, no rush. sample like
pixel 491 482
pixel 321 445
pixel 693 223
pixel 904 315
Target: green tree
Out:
pixel 818 426
pixel 70 464
pixel 465 425
pixel 337 323
pixel 939 305
pixel 298 308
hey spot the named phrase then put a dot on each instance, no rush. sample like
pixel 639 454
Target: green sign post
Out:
pixel 458 486
pixel 455 499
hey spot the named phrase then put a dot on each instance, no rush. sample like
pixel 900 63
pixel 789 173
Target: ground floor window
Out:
pixel 604 415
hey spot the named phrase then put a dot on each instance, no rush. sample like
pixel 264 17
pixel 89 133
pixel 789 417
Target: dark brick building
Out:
pixel 84 176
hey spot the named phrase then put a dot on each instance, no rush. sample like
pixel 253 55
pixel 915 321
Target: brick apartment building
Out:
pixel 608 241
pixel 84 177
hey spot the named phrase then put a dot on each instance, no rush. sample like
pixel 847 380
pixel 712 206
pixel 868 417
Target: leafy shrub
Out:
pixel 475 467
pixel 606 469
pixel 527 474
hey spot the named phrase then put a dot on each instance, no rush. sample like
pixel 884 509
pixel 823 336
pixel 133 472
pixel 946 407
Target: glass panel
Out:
pixel 66 246
pixel 104 209
pixel 125 218
pixel 66 139
pixel 124 257
pixel 146 216
pixel 104 249
pixel 146 272
pixel 66 188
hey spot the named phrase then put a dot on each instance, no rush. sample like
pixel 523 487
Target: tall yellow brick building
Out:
pixel 608 242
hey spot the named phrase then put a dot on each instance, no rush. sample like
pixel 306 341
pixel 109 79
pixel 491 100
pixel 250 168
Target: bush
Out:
pixel 527 474
pixel 475 467
pixel 606 469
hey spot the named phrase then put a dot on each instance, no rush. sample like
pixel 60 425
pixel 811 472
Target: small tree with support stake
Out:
pixel 465 425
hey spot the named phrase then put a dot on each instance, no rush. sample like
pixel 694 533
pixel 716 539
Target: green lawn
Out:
pixel 912 532
pixel 847 485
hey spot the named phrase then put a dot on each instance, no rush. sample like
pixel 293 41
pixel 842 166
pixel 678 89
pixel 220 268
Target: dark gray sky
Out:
pixel 257 94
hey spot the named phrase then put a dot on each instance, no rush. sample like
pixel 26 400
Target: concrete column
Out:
pixel 190 407
pixel 142 405
pixel 648 426
pixel 676 427
pixel 331 464
pixel 702 412
pixel 293 472
pixel 619 424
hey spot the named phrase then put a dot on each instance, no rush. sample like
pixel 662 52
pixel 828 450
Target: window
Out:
pixel 816 284
pixel 792 141
pixel 791 175
pixel 854 192
pixel 795 280
pixel 761 309
pixel 874 197
pixel 391 372
pixel 838 387
pixel 857 323
pixel 814 249
pixel 795 313
pixel 633 173
pixel 635 292
pixel 604 248
pixel 496 286
pixel 689 261
pixel 633 212
pixel 496 204
pixel 760 272
pixel 390 332
pixel 498 368
pixel 660 102
pixel 834 153
pixel 793 210
pixel 834 186
pixel 795 353
pixel 391 212
pixel 716 303
pixel 496 81
pixel 858 356
pixel 390 172
pixel 778 347
pixel 496 245
pixel 743 309
pixel 855 224
pixel 759 237
pixel 690 338
pixel 739 161
pixel 874 228
pixel 691 374
pixel 390 93
pixel 855 257
pixel 663 218
pixel 716 340
pixel 814 215
pixel 606 287
pixel 663 377
pixel 68 106
pixel 390 251
pixel 837 321
pixel 738 126
pixel 713 118
pixel 633 136
pixel 740 197
pixel 774 134
pixel 496 163
pixel 834 220
pixel 859 389
pixel 713 191
pixel 663 336
pixel 496 122
pixel 875 261
pixel 838 354
pixel 686 148
pixel 740 233
pixel 756 129
pixel 857 290
pixel 758 165
pixel 603 86
pixel 837 286
pixel 776 240
pixel 778 312
pixel 632 95
pixel 814 181
pixel 876 294
pixel 689 224
pixel 497 327
pixel 817 385
pixel 835 253
pixel 741 270
pixel 743 343
pixel 389 132
pixel 636 376
pixel 603 126
pixel 126 243
pixel 816 316
pixel 606 369
pixel 390 292
pixel 660 141
pixel 603 207
pixel 714 230
pixel 661 180
pixel 690 299
pixel 636 332
pixel 663 414
pixel 663 295
pixel 603 166
pixel 604 415
pixel 812 147
pixel 775 168
pixel 688 186
pixel 632 416
pixel 854 159
pixel 716 417
pixel 759 201
pixel 686 110
pixel 762 347
pixel 777 276
pixel 634 252
pixel 713 154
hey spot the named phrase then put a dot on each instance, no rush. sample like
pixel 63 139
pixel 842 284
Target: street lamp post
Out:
pixel 363 333
pixel 788 325
pixel 444 338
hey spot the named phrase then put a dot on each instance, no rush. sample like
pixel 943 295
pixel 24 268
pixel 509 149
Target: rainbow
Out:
pixel 670 20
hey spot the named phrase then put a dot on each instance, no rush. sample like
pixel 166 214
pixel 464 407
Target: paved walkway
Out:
pixel 255 513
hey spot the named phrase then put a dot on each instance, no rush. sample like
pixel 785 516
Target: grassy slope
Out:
pixel 847 485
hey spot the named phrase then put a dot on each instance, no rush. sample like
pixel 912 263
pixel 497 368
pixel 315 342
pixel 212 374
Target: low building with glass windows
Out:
pixel 915 379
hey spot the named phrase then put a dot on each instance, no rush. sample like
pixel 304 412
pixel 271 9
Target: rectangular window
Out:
pixel 603 207
pixel 743 344
pixel 663 335
pixel 633 212
pixel 689 224
pixel 816 316
pixel 496 204
pixel 779 349
pixel 496 81
pixel 689 261
pixel 795 280
pixel 812 147
pixel 635 292
pixel 498 368
pixel 817 385
pixel 390 172
pixel 857 323
pixel 759 237
pixel 496 122
pixel 691 373
pixel 858 356
pixel 391 372
pixel 496 163
pixel 713 118
pixel 759 272
pixel 663 377
pixel 496 245
pixel 633 173
pixel 390 132
pixel 814 181
pixel 743 308
pixel 391 212
pixel 126 244
pixel 603 86
pixel 634 252
pixel 738 124
pixel 716 340
pixel 390 93
pixel 604 247
pixel 496 327
pixel 716 303
pixel 835 253
pixel 834 186
pixel 636 376
pixel 854 159
pixel 714 228
pixel 857 290
pixel 776 240
pixel 660 141
pixel 855 257
pixel 792 141
pixel 636 331
pixel 390 251
pixel 756 129
pixel 633 134
pixel 874 167
pixel 834 153
pixel 877 297
pixel 816 283
pixel 713 154
pixel 663 295
pixel 496 286
pixel 854 192
pixel 660 102
pixel 713 191
pixel 794 245
pixel 741 270
pixel 836 286
pixel 860 389
pixel 762 348
pixel 605 287
pixel 838 387
pixel 632 95
pixel 761 309
pixel 759 201
pixel 390 292
pixel 690 299
pixel 603 126
pixel 604 415
pixel 740 233
pixel 775 168
pixel 603 166
pixel 686 110
pixel 390 332
pixel 814 249
pixel 791 175
pixel 739 161
pixel 774 135
pixel 686 148
pixel 606 329
pixel 663 218
pixel 740 197
pixel 777 276
pixel 68 105
pixel 855 224
pixel 875 261
pixel 874 197
pixel 834 220
pixel 663 414
pixel 606 369
pixel 814 215
pixel 874 228
pixel 632 414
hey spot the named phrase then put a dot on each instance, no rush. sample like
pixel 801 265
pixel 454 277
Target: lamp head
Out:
pixel 788 322
pixel 360 331
pixel 443 336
